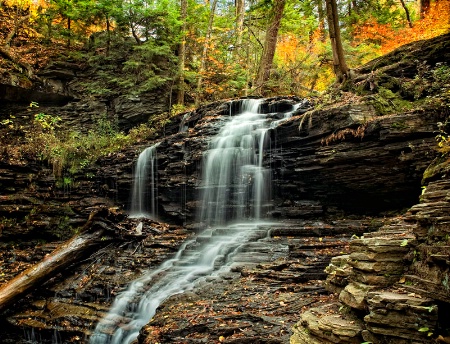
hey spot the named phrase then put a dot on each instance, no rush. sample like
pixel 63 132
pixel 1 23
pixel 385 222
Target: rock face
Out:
pixel 309 176
pixel 375 260
pixel 396 301
pixel 61 93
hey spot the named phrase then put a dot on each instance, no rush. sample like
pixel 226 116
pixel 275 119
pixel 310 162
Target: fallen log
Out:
pixel 67 254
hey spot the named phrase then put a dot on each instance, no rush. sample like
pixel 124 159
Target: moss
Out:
pixel 440 166
pixel 387 102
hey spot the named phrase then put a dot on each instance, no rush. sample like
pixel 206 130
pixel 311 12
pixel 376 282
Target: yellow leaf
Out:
pixel 221 339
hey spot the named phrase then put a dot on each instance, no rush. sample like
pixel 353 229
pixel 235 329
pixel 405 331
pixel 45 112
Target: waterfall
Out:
pixel 234 188
pixel 143 197
pixel 234 180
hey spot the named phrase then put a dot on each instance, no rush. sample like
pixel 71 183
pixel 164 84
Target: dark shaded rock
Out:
pixel 377 168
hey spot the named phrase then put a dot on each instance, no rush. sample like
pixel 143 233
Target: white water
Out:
pixel 234 180
pixel 206 255
pixel 143 197
pixel 234 188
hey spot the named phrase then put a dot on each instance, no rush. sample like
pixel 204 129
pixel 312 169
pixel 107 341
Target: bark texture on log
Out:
pixel 67 254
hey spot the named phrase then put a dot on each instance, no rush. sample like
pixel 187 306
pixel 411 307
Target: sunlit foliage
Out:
pixel 146 35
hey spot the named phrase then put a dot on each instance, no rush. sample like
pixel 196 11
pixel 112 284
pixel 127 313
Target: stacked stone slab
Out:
pixel 338 272
pixel 377 260
pixel 430 272
pixel 363 279
pixel 327 324
pixel 399 318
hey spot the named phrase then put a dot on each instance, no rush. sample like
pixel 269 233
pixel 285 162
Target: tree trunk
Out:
pixel 69 32
pixel 408 18
pixel 240 15
pixel 108 34
pixel 340 67
pixel 5 49
pixel 270 44
pixel 67 254
pixel 182 53
pixel 321 20
pixel 205 52
pixel 424 6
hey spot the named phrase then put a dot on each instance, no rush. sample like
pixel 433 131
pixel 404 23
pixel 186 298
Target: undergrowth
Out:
pixel 71 151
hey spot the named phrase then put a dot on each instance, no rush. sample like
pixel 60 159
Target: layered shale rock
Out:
pixel 396 278
pixel 327 324
pixel 399 317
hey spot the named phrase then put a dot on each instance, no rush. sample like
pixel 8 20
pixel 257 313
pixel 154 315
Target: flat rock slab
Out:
pixel 354 295
pixel 399 314
pixel 329 323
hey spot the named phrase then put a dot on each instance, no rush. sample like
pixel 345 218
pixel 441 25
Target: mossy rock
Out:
pixel 387 102
pixel 438 169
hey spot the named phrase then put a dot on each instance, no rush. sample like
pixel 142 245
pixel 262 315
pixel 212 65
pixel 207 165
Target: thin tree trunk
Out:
pixel 205 52
pixel 133 32
pixel 424 6
pixel 270 44
pixel 240 15
pixel 408 18
pixel 108 33
pixel 182 53
pixel 49 27
pixel 69 33
pixel 321 20
pixel 340 67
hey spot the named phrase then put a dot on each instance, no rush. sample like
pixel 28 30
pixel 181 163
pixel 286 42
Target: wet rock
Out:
pixel 407 311
pixel 260 299
pixel 429 273
pixel 378 258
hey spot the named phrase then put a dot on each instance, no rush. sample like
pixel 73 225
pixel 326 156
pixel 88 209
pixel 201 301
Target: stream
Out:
pixel 235 196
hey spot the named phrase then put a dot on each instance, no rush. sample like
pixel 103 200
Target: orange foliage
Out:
pixel 304 62
pixel 287 47
pixel 435 23
pixel 31 5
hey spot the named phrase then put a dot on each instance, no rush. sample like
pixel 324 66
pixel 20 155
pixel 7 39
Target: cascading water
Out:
pixel 234 179
pixel 234 188
pixel 143 197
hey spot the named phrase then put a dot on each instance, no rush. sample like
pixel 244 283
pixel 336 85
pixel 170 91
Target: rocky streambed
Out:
pixel 259 298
